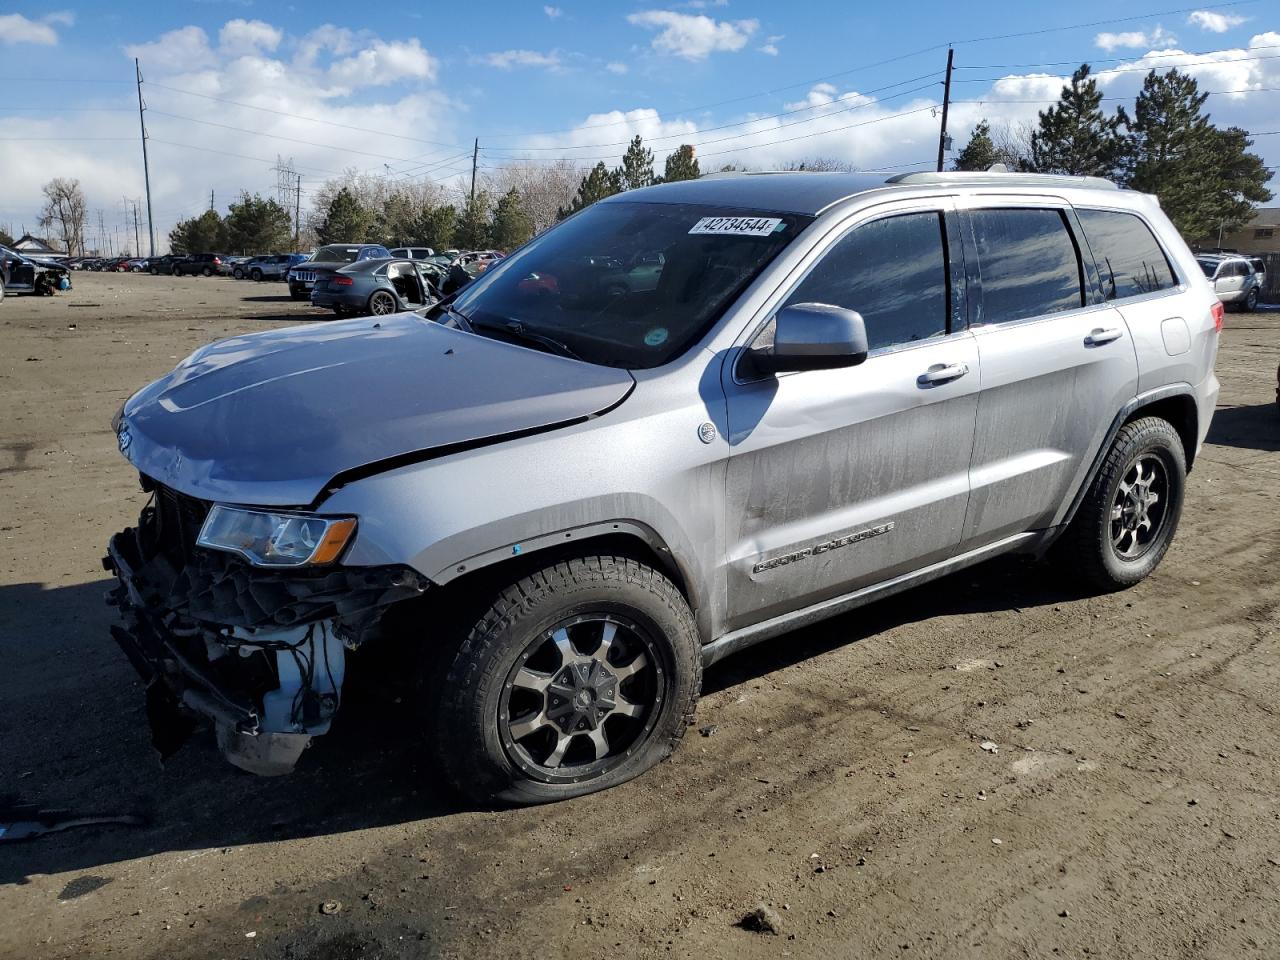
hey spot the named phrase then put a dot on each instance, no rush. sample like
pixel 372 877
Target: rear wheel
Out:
pixel 207 272
pixel 255 274
pixel 575 679
pixel 381 303
pixel 1251 300
pixel 1130 513
pixel 154 271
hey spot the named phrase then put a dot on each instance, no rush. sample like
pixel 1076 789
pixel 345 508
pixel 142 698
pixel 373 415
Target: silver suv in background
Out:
pixel 1236 279
pixel 568 495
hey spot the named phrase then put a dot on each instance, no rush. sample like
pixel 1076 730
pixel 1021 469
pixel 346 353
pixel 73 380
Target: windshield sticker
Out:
pixel 738 226
pixel 656 337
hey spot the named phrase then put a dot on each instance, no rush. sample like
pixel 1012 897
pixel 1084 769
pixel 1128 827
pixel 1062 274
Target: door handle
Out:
pixel 1098 337
pixel 942 373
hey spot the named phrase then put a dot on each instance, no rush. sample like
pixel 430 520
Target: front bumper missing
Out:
pixel 268 671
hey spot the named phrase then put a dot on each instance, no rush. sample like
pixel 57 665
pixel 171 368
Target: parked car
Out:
pixel 227 265
pixel 136 264
pixel 379 287
pixel 205 264
pixel 22 274
pixel 570 497
pixel 329 259
pixel 276 266
pixel 1234 279
pixel 412 253
pixel 166 264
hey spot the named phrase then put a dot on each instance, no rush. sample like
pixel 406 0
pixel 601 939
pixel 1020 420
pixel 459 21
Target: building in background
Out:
pixel 1260 235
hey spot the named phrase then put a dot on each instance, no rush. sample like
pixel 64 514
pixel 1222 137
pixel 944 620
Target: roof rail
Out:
pixel 997 178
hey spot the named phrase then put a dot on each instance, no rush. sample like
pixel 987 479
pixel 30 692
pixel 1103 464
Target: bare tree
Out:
pixel 543 188
pixel 65 207
pixel 1012 142
pixel 822 165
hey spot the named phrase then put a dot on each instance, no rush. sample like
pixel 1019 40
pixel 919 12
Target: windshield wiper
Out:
pixel 516 331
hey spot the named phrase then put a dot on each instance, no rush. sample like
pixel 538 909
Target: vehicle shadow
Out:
pixel 280 298
pixel 1255 427
pixel 73 733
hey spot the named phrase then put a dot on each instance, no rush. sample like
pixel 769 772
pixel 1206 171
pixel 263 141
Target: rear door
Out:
pixel 1231 279
pixel 842 478
pixel 1057 364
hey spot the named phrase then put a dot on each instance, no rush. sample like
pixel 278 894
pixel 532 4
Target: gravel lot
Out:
pixel 1132 809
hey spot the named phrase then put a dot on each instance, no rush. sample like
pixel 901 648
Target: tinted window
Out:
pixel 1209 267
pixel 1028 264
pixel 1130 262
pixel 893 272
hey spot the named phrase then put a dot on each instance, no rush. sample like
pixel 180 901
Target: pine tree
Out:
pixel 980 152
pixel 472 231
pixel 434 227
pixel 346 220
pixel 637 166
pixel 1075 136
pixel 203 234
pixel 600 182
pixel 1204 177
pixel 511 225
pixel 255 225
pixel 681 165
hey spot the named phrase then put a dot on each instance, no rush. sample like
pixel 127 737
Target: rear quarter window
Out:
pixel 1130 261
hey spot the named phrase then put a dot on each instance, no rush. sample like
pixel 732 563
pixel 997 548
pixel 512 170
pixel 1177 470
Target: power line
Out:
pixel 1113 70
pixel 1093 60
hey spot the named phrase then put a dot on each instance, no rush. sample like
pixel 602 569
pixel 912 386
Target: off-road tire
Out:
pixel 467 689
pixel 1087 546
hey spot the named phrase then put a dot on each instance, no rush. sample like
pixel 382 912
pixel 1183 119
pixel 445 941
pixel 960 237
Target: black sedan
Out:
pixel 374 286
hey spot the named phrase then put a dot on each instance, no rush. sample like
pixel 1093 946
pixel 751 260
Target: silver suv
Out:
pixel 1237 280
pixel 569 495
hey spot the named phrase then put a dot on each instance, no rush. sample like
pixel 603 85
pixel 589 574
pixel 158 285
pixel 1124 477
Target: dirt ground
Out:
pixel 1132 809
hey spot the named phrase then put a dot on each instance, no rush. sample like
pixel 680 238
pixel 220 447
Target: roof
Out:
pixel 790 192
pixel 28 243
pixel 812 193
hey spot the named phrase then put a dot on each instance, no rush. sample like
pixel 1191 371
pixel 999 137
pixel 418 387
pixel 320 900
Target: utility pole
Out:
pixel 946 103
pixel 137 240
pixel 297 214
pixel 146 169
pixel 210 198
pixel 475 156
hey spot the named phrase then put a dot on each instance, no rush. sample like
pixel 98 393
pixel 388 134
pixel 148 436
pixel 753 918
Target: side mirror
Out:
pixel 812 336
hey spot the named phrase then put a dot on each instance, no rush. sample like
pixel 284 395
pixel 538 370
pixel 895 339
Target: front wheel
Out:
pixel 1251 300
pixel 1131 510
pixel 576 678
pixel 256 276
pixel 206 272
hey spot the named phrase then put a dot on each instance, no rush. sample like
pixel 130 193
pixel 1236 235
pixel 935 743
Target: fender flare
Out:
pixel 1135 404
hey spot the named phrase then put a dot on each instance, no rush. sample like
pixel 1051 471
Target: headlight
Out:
pixel 269 539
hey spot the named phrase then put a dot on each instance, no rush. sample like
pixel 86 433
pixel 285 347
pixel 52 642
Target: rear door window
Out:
pixel 1130 261
pixel 1028 262
pixel 892 271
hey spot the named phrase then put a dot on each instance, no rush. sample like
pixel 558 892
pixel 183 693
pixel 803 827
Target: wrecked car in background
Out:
pixel 23 274
pixel 687 419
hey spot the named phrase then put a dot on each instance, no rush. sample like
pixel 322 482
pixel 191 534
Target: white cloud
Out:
pixel 1215 22
pixel 617 67
pixel 382 62
pixel 552 12
pixel 184 49
pixel 1156 39
pixel 15 28
pixel 509 59
pixel 1269 39
pixel 694 37
pixel 770 45
pixel 239 37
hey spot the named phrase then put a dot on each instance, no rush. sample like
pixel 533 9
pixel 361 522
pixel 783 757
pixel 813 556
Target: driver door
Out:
pixel 839 479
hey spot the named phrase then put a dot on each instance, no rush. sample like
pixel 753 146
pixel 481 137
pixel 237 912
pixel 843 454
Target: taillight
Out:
pixel 342 281
pixel 1219 314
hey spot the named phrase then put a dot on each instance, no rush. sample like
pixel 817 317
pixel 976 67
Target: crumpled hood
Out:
pixel 270 418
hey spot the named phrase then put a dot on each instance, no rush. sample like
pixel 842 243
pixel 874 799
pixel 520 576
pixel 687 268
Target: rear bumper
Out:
pixel 329 299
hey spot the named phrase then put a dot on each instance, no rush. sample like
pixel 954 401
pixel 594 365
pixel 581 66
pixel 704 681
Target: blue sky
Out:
pixel 402 89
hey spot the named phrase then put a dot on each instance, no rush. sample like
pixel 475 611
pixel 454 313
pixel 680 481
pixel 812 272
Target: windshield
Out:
pixel 628 284
pixel 338 252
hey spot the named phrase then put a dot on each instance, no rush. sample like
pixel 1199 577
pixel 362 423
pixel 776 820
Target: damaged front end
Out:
pixel 259 652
